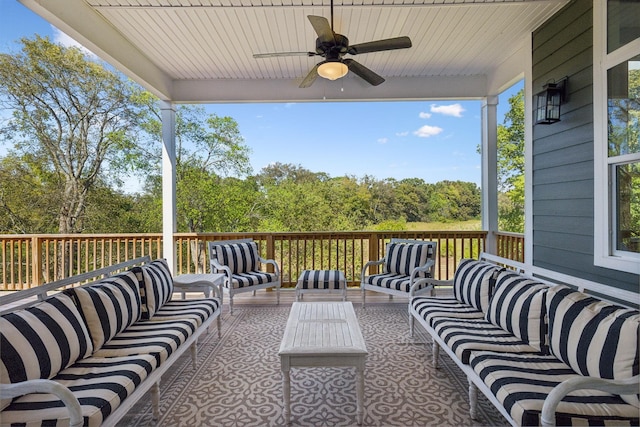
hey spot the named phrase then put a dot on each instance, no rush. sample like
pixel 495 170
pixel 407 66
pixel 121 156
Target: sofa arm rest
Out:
pixel 216 266
pixel 425 268
pixel 9 391
pixel 367 265
pixel 548 416
pixel 276 268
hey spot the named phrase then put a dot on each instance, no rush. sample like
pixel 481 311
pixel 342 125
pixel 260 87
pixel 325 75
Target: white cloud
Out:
pixel 426 131
pixel 383 140
pixel 454 110
pixel 424 115
pixel 65 40
pixel 402 133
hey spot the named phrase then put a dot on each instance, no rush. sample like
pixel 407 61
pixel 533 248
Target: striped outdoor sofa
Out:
pixel 543 353
pixel 405 266
pixel 86 354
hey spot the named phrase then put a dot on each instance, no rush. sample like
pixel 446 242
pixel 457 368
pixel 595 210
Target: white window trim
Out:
pixel 603 232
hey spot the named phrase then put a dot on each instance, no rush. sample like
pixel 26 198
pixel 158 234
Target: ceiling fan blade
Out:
pixel 362 71
pixel 277 54
pixel 310 78
pixel 380 45
pixel 322 27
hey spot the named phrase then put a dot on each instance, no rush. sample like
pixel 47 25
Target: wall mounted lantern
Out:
pixel 547 107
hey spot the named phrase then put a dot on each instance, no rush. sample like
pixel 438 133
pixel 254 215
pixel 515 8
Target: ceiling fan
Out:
pixel 333 46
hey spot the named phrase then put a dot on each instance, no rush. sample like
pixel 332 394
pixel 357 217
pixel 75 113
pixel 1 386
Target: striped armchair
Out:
pixel 240 262
pixel 406 265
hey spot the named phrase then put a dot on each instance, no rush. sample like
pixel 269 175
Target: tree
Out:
pixel 511 166
pixel 208 148
pixel 75 116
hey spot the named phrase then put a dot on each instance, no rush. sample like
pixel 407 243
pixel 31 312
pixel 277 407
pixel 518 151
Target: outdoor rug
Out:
pixel 238 379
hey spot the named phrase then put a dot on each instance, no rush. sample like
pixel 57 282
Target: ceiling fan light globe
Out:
pixel 332 70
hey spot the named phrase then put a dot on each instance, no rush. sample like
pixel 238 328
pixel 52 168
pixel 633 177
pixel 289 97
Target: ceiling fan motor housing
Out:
pixel 332 49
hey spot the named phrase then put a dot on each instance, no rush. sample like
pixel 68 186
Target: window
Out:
pixel 617 134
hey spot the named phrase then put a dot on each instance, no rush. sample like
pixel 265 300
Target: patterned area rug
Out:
pixel 238 380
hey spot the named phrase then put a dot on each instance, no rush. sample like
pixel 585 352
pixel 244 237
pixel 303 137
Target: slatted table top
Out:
pixel 323 329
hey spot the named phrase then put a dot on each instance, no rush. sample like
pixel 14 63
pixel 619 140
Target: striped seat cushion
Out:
pixel 156 286
pixel 518 306
pixel 403 258
pixel 593 337
pixel 251 278
pixel 399 282
pixel 473 283
pixel 159 339
pixel 465 335
pixel 321 279
pixel 431 308
pixel 109 306
pixel 197 309
pixel 521 382
pixel 239 257
pixel 100 384
pixel 39 341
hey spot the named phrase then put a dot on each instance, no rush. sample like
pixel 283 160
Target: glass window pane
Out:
pixel 623 98
pixel 628 207
pixel 623 23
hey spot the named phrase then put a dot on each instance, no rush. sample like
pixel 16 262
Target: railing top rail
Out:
pixel 507 233
pixel 76 236
pixel 43 289
pixel 338 233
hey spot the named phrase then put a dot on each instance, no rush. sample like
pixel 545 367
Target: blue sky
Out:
pixel 433 139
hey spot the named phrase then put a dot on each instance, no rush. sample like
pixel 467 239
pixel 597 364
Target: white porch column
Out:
pixel 490 170
pixel 169 222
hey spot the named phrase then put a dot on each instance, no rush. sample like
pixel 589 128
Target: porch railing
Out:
pixel 30 260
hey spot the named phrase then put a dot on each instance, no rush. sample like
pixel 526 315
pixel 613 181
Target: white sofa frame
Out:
pixel 601 291
pixel 28 297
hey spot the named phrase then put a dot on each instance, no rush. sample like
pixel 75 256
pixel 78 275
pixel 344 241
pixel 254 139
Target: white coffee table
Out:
pixel 322 334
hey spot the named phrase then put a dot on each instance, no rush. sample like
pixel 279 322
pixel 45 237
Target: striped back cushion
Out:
pixel 594 337
pixel 518 306
pixel 402 258
pixel 156 286
pixel 239 257
pixel 39 341
pixel 473 283
pixel 109 306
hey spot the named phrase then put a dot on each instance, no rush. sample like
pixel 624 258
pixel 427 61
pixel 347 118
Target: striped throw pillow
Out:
pixel 518 306
pixel 473 283
pixel 595 338
pixel 109 306
pixel 402 258
pixel 239 257
pixel 156 286
pixel 39 341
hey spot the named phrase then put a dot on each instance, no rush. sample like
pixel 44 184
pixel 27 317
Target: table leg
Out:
pixel 286 393
pixel 360 394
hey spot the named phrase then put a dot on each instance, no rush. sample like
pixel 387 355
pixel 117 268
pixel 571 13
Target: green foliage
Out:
pixel 207 148
pixel 27 198
pixel 511 167
pixel 390 225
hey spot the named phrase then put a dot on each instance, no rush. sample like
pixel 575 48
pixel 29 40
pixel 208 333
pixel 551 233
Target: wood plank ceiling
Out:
pixel 194 45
